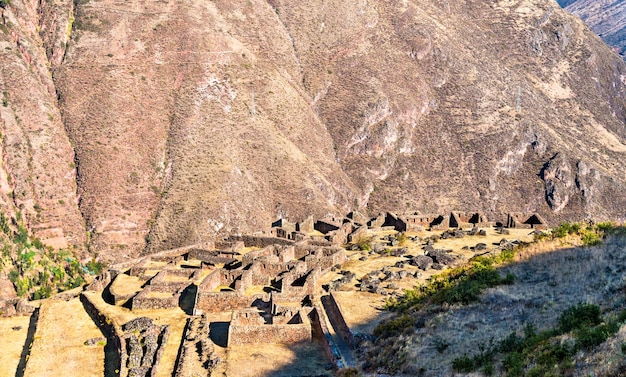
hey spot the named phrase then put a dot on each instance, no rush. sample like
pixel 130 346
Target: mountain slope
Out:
pixel 190 119
pixel 605 17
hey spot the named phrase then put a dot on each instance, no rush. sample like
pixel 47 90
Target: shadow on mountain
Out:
pixel 546 283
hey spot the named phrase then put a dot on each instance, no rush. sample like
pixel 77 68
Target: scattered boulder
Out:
pixel 24 308
pixel 399 251
pixel 442 257
pixel 480 246
pixel 422 262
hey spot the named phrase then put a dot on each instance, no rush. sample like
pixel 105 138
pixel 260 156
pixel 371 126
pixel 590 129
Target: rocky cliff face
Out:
pixel 189 119
pixel 605 17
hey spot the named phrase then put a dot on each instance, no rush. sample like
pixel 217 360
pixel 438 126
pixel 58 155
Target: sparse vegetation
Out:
pixel 525 352
pixel 402 239
pixel 38 271
pixel 549 352
pixel 590 235
pixel 363 242
pixel 459 285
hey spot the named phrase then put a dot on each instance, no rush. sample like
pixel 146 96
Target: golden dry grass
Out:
pixel 276 360
pixel 362 310
pixel 58 348
pixel 12 343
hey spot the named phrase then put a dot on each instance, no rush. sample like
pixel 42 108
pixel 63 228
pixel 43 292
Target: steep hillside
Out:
pixel 605 17
pixel 190 118
pixel 37 171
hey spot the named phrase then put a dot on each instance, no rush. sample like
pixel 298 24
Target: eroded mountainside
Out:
pixel 605 17
pixel 188 118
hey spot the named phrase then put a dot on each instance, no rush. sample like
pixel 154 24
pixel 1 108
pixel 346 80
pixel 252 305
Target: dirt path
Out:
pixel 59 349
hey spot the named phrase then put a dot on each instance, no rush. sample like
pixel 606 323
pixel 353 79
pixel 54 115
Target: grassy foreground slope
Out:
pixel 553 307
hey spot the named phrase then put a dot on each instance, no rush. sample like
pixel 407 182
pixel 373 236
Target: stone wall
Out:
pixel 243 331
pixel 219 277
pixel 211 302
pixel 233 245
pixel 144 346
pixel 262 273
pixel 114 360
pixel 259 241
pixel 319 331
pixel 196 354
pixel 153 297
pixel 163 277
pixel 297 284
pixel 212 256
pixel 336 318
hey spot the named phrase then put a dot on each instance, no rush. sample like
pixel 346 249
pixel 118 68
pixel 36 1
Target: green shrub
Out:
pixel 464 364
pixel 588 337
pixel 591 238
pixel 605 227
pixel 513 363
pixel 95 267
pixel 402 239
pixel 565 229
pixel 347 372
pixel 581 315
pixel 363 242
pixel 441 345
pixel 395 326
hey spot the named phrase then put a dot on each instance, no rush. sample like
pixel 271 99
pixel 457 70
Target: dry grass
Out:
pixel 362 310
pixel 550 278
pixel 58 348
pixel 12 343
pixel 276 360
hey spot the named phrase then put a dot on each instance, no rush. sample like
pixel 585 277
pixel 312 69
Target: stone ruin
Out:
pixel 196 354
pixel 270 283
pixel 525 221
pixel 287 325
pixel 142 347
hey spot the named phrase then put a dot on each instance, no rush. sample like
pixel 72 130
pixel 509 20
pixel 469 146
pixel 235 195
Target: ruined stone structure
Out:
pixel 143 342
pixel 282 325
pixel 469 220
pixel 525 221
pixel 268 281
pixel 196 354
